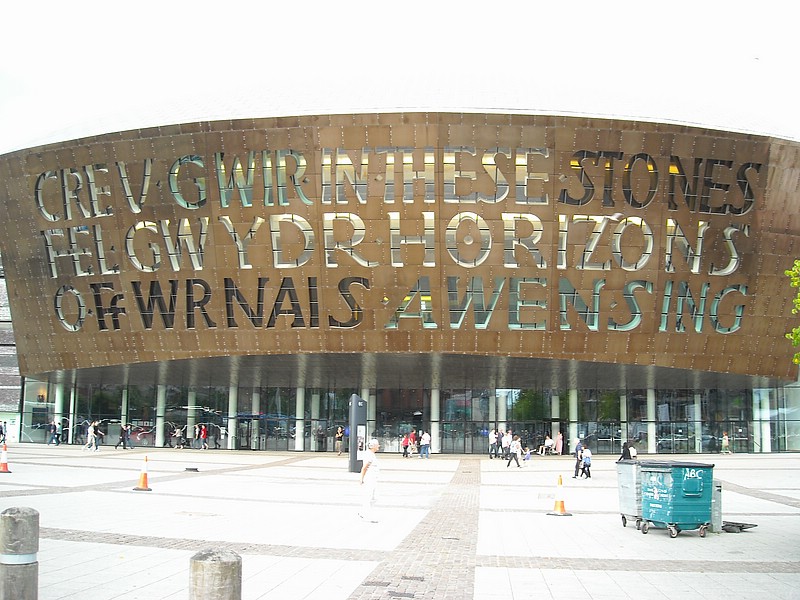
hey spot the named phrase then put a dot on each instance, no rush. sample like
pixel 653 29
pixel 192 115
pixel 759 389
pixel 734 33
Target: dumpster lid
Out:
pixel 669 464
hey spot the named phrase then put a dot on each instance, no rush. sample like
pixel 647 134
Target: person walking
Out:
pixel 370 470
pixel 216 433
pixel 578 454
pixel 203 437
pixel 499 444
pixel 405 444
pixel 123 437
pixel 514 451
pixel 425 445
pixel 586 468
pixel 492 443
pixel 338 438
pixel 99 436
pixel 180 440
pixel 168 429
pixel 506 443
pixel 52 429
pixel 92 431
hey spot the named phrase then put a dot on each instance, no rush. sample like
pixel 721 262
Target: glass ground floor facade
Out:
pixel 657 421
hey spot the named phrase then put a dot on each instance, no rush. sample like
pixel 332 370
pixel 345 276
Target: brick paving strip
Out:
pixel 437 559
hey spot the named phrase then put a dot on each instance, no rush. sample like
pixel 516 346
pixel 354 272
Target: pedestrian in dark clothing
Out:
pixel 626 452
pixel 123 437
pixel 578 454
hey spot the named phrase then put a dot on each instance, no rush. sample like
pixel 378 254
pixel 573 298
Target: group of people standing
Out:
pixel 510 447
pixel 198 441
pixel 412 443
pixel 507 445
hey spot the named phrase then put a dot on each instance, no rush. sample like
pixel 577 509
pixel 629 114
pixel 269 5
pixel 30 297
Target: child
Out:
pixel 587 463
pixel 726 448
pixel 527 452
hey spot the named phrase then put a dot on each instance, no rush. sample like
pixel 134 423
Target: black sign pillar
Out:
pixel 358 432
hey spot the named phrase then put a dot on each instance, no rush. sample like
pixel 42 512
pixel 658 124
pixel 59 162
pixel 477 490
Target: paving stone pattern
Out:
pixel 450 528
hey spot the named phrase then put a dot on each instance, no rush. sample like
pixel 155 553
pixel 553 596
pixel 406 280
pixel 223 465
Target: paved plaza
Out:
pixel 449 527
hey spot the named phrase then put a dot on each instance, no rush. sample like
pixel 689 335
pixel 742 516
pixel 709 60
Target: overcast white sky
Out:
pixel 69 69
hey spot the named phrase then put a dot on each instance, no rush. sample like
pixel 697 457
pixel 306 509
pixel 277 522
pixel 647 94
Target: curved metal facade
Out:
pixel 405 249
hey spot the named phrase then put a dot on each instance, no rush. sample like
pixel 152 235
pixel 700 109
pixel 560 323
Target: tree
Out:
pixel 794 280
pixel 530 406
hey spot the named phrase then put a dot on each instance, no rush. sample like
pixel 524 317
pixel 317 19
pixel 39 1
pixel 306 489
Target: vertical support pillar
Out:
pixel 623 419
pixel 651 421
pixel 299 418
pixel 502 411
pixel 123 413
pixel 698 423
pixel 73 414
pixel 762 435
pixel 372 407
pixel 573 418
pixel 19 545
pixel 191 417
pixel 233 418
pixel 58 407
pixel 766 423
pixel 492 410
pixel 555 417
pixel 255 425
pixel 316 443
pixel 215 575
pixel 370 413
pixel 161 407
pixel 436 445
pixel 755 425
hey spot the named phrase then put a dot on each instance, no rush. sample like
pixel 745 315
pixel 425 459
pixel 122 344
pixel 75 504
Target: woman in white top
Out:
pixel 514 451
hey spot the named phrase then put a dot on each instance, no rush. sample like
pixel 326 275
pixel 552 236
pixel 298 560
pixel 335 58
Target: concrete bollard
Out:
pixel 216 575
pixel 19 543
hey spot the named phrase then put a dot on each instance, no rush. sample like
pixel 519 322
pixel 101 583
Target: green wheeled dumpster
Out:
pixel 676 496
pixel 629 486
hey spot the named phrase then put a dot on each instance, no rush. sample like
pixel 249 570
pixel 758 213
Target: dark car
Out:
pixel 143 435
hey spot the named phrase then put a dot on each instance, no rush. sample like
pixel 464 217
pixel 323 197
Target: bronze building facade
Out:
pixel 607 280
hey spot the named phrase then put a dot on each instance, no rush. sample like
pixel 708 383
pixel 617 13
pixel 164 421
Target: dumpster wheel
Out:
pixel 645 526
pixel 624 521
pixel 638 523
pixel 673 531
pixel 703 530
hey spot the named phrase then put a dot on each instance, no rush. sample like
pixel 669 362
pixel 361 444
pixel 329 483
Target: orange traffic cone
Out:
pixel 558 509
pixel 4 460
pixel 143 487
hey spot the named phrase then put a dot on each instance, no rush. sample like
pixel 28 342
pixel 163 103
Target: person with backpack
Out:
pixel 586 463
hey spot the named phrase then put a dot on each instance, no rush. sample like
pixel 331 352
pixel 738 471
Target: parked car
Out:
pixel 143 435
